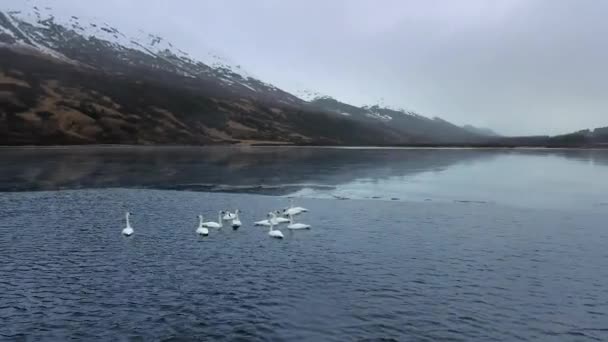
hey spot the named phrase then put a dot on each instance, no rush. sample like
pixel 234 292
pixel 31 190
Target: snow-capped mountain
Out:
pixel 89 41
pixel 73 80
pixel 410 125
pixel 67 80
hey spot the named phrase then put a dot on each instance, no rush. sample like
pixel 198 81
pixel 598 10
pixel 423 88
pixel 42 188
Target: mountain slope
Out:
pixel 417 128
pixel 46 102
pixel 65 80
pixel 102 46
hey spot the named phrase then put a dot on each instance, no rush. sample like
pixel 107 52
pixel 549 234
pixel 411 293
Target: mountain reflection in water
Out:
pixel 281 170
pixel 534 176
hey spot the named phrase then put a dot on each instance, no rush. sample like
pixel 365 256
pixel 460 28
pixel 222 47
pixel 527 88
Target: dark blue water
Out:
pixel 370 269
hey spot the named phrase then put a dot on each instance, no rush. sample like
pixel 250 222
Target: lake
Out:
pixel 406 244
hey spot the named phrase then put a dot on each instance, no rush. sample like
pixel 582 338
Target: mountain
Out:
pixel 596 138
pixel 67 80
pixel 417 128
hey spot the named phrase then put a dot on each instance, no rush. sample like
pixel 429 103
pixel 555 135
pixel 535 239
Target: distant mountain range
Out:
pixel 586 138
pixel 66 80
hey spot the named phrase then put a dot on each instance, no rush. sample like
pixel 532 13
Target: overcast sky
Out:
pixel 516 66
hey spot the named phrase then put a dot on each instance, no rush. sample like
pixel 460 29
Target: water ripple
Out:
pixel 402 271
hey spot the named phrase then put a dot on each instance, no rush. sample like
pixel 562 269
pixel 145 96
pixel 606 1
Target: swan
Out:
pixel 201 230
pixel 277 234
pixel 218 224
pixel 275 221
pixel 296 226
pixel 128 231
pixel 262 223
pixel 293 210
pixel 228 215
pixel 236 222
pixel 279 219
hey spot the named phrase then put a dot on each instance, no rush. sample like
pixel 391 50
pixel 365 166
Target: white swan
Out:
pixel 277 234
pixel 201 230
pixel 128 231
pixel 296 226
pixel 218 224
pixel 236 222
pixel 228 215
pixel 275 221
pixel 279 219
pixel 293 210
pixel 262 223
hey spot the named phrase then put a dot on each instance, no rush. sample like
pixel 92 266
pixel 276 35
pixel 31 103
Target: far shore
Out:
pixel 289 145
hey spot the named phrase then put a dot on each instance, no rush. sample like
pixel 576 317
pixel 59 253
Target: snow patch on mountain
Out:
pixel 7 32
pixel 38 17
pixel 33 41
pixel 309 95
pixel 376 115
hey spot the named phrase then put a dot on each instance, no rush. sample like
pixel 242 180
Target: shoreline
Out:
pixel 281 145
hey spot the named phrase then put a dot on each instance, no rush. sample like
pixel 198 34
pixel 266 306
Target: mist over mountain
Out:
pixel 481 130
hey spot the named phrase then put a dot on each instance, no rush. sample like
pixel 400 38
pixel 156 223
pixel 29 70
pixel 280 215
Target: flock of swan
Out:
pixel 274 218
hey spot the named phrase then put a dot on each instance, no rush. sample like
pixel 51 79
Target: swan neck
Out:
pixel 128 222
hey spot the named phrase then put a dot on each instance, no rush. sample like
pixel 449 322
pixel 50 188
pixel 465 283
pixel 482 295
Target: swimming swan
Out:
pixel 228 215
pixel 275 221
pixel 262 223
pixel 293 210
pixel 218 224
pixel 279 219
pixel 128 231
pixel 201 230
pixel 277 234
pixel 295 226
pixel 236 222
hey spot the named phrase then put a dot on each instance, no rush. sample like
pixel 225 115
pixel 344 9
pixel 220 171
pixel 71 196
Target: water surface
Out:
pixel 529 178
pixel 433 245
